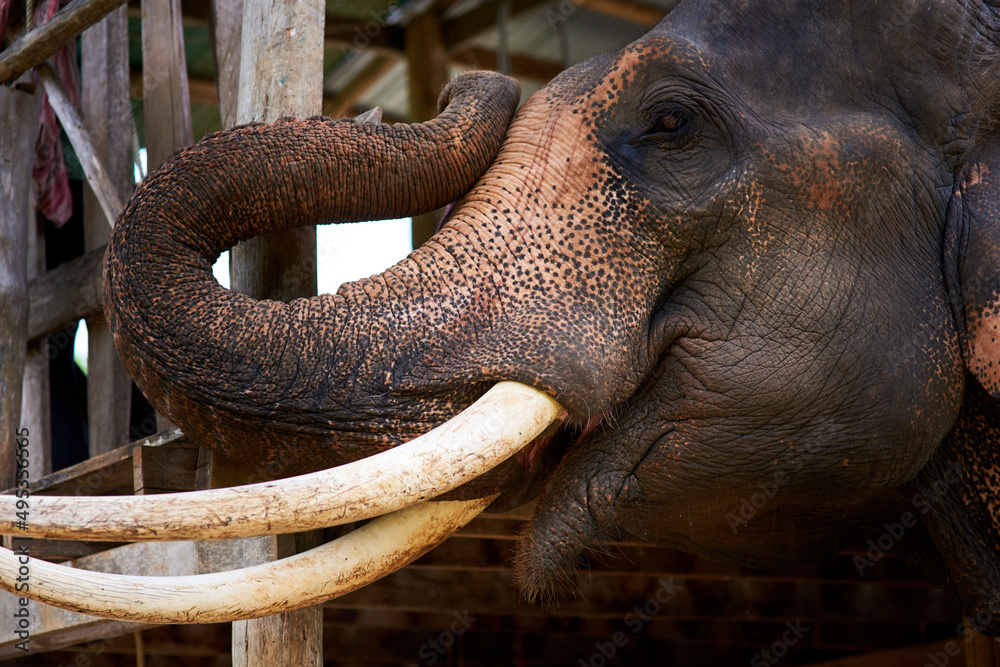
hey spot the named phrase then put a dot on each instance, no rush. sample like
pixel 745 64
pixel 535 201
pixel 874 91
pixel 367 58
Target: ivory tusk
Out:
pixel 505 419
pixel 333 569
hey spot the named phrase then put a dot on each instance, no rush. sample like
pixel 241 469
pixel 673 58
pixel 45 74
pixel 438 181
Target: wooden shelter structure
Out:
pixel 162 73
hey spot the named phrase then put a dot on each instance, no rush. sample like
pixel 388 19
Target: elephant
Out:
pixel 753 255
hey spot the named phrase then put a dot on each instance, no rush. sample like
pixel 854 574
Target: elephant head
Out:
pixel 757 248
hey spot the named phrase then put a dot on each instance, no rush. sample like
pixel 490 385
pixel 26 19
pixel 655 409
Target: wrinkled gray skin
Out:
pixel 758 246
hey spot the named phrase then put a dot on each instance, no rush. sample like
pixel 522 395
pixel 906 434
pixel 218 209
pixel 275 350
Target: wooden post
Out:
pixel 980 650
pixel 165 95
pixel 166 99
pixel 428 61
pixel 281 74
pixel 226 30
pixel 18 120
pixel 36 402
pixel 106 108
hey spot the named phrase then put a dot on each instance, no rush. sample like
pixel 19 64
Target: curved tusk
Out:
pixel 333 569
pixel 502 421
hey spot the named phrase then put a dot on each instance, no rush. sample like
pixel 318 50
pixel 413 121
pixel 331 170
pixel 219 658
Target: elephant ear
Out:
pixel 972 263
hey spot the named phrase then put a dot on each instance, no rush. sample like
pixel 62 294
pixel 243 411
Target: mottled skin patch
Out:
pixel 758 243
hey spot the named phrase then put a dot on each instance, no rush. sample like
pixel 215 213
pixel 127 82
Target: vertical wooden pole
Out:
pixel 226 31
pixel 428 61
pixel 165 95
pixel 36 402
pixel 106 108
pixel 18 120
pixel 980 650
pixel 281 74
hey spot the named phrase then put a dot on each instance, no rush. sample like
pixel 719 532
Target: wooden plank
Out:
pixel 949 651
pixel 93 168
pixel 226 28
pixel 19 108
pixel 164 469
pixel 71 291
pixel 980 650
pixel 598 595
pixel 627 10
pixel 166 100
pixel 847 636
pixel 521 65
pixel 34 48
pixel 107 474
pixel 428 64
pixel 106 109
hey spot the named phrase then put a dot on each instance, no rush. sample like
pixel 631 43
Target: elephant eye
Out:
pixel 674 121
pixel 671 124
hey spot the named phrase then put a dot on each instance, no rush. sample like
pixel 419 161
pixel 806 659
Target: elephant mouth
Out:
pixel 392 486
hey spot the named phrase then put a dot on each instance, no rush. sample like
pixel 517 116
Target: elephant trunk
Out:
pixel 254 378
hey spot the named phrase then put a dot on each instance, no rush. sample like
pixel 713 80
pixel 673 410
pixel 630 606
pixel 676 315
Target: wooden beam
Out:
pixel 627 10
pixel 471 24
pixel 428 61
pixel 167 104
pixel 164 469
pixel 347 97
pixel 35 47
pixel 93 168
pixel 611 596
pixel 369 36
pixel 281 74
pixel 19 110
pixel 951 651
pixel 980 650
pixel 69 292
pixel 520 65
pixel 107 114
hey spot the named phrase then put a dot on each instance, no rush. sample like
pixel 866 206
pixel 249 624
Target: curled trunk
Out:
pixel 255 379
